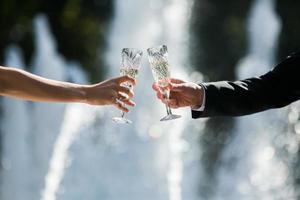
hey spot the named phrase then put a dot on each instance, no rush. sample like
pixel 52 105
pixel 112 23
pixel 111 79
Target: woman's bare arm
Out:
pixel 21 84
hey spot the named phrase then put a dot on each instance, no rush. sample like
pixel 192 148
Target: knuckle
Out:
pixel 124 78
pixel 114 86
pixel 124 89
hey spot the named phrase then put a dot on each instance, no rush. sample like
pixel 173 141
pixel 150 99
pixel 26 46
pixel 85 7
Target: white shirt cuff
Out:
pixel 202 107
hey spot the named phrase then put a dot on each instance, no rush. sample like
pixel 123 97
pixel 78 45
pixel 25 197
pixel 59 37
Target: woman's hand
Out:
pixel 110 92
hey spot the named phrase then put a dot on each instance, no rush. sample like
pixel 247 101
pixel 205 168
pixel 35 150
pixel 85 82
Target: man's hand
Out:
pixel 182 94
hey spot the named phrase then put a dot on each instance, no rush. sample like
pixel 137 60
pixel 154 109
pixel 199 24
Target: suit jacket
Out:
pixel 275 89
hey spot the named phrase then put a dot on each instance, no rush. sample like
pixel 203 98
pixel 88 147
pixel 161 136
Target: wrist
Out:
pixel 199 93
pixel 82 94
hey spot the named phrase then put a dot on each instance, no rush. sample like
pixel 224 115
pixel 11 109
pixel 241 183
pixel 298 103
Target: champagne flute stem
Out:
pixel 169 112
pixel 167 109
pixel 167 96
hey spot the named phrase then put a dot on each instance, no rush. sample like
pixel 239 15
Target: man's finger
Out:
pixel 177 81
pixel 176 87
pixel 125 78
pixel 155 87
pixel 160 95
pixel 173 106
pixel 171 103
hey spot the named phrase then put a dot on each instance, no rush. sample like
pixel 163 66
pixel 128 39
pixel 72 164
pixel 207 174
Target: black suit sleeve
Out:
pixel 275 89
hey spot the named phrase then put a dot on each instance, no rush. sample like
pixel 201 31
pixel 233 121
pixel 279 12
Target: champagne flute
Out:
pixel 130 64
pixel 158 58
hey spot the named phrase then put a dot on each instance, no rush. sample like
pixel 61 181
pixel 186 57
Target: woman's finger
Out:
pixel 125 78
pixel 122 96
pixel 124 99
pixel 129 102
pixel 120 105
pixel 125 90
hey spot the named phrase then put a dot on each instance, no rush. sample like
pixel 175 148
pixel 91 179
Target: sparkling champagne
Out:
pixel 131 61
pixel 158 59
pixel 131 72
pixel 161 73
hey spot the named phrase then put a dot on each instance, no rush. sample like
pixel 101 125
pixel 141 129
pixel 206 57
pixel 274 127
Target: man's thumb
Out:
pixel 176 87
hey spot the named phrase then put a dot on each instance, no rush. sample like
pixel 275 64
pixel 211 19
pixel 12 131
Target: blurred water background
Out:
pixel 57 151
